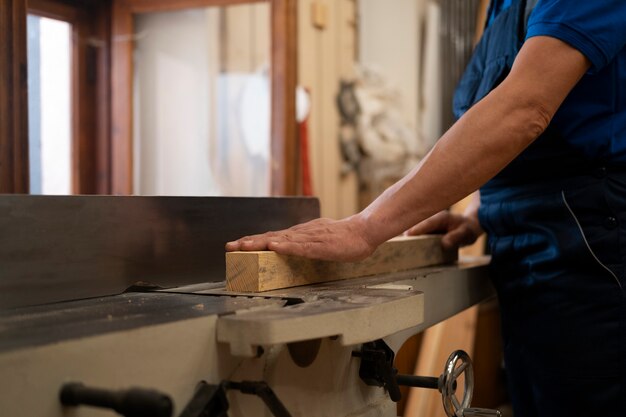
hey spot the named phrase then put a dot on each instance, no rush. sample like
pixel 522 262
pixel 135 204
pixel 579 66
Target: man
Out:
pixel 543 132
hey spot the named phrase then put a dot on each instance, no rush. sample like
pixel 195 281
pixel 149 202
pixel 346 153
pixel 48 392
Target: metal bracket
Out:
pixel 210 400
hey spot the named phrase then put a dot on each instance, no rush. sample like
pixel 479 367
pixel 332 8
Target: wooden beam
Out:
pixel 267 270
pixel 122 99
pixel 150 6
pixel 284 80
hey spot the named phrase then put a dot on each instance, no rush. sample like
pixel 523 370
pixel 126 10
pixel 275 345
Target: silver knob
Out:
pixel 459 363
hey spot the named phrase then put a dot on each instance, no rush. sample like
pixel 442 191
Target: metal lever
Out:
pixel 377 370
pixel 134 402
pixel 210 400
pixel 377 367
pixel 263 391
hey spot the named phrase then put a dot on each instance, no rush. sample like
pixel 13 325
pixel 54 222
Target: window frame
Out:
pixel 14 175
pixel 89 89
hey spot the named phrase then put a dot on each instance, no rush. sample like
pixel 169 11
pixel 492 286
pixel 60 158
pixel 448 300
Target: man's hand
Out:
pixel 460 230
pixel 331 240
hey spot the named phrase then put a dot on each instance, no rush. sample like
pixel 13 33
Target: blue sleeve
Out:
pixel 597 28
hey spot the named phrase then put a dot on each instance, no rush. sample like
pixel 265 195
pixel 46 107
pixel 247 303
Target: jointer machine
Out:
pixel 119 306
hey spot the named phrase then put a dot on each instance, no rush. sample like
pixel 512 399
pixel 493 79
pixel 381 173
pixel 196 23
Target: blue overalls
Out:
pixel 556 221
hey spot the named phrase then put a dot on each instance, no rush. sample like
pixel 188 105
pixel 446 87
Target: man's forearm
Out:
pixel 489 136
pixel 475 149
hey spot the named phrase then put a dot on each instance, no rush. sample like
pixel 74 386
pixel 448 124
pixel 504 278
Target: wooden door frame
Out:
pixel 90 125
pixel 14 174
pixel 283 81
pixel 90 89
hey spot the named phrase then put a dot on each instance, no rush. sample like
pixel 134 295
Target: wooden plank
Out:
pixel 266 270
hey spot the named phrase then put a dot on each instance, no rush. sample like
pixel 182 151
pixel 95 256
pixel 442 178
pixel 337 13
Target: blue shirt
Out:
pixel 593 116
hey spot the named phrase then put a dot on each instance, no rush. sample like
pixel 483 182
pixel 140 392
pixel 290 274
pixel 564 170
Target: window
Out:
pixel 101 87
pixel 49 105
pixel 68 96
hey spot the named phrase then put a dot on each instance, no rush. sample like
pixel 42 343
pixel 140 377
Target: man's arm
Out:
pixel 489 136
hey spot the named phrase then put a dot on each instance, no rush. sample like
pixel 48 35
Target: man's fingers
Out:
pixel 458 237
pixel 436 223
pixel 254 245
pixel 305 248
pixel 235 245
pixel 232 246
pixel 248 243
pixel 291 248
pixel 261 242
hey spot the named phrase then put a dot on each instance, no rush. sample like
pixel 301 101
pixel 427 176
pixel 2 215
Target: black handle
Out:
pixel 133 402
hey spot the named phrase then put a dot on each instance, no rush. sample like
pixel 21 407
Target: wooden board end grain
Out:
pixel 266 270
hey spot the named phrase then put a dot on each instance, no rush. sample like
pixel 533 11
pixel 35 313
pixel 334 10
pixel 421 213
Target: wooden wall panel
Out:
pixel 260 20
pixel 14 176
pixel 346 51
pixel 328 114
pixel 326 54
pixel 236 36
pixel 308 63
pixel 244 48
pixel 103 172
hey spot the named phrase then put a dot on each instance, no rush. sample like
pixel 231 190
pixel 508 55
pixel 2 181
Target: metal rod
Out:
pixel 429 382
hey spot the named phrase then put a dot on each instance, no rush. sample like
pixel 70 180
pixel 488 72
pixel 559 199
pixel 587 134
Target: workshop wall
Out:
pixel 389 40
pixel 326 54
pixel 334 37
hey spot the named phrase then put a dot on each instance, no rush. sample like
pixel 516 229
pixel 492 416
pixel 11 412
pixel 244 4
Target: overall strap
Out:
pixel 530 5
